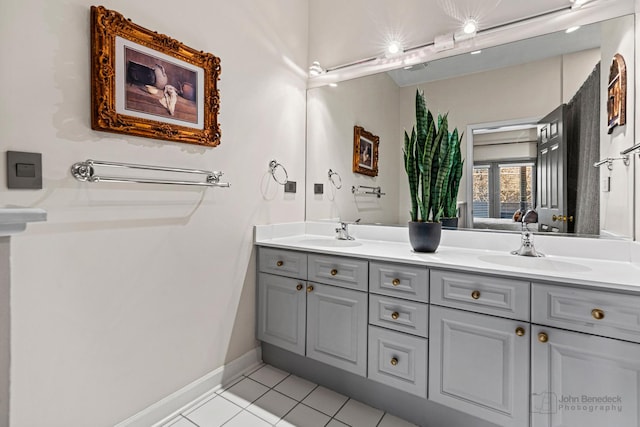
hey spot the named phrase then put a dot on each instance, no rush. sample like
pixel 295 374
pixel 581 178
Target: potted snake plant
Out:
pixel 430 154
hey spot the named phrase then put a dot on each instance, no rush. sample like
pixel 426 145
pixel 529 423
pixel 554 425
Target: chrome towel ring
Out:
pixel 273 166
pixel 332 176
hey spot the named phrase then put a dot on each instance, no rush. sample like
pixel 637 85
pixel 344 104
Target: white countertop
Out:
pixel 586 271
pixel 14 219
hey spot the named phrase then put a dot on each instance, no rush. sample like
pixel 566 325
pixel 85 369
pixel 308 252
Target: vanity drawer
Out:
pixel 283 263
pixel 483 294
pixel 403 281
pixel 398 360
pixel 592 311
pixel 339 271
pixel 398 314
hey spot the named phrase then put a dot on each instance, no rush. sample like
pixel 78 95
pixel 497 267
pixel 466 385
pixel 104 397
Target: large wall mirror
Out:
pixel 508 100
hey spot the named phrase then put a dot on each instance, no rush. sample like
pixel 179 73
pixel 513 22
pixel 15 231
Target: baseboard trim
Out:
pixel 172 405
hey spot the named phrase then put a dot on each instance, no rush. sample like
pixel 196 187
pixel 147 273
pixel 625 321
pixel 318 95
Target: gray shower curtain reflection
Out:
pixel 583 134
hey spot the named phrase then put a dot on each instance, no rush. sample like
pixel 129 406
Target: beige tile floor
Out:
pixel 270 397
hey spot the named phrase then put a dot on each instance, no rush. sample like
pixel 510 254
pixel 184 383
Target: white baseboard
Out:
pixel 172 405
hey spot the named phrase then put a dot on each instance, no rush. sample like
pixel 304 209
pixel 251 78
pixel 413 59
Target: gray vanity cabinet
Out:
pixel 315 306
pixel 282 312
pixel 583 380
pixel 281 298
pixel 580 375
pixel 337 327
pixel 479 363
pixel 398 326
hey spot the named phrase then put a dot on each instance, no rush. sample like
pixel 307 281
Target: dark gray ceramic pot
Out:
pixel 424 236
pixel 449 222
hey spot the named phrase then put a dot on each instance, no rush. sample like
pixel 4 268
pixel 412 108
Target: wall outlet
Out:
pixel 290 187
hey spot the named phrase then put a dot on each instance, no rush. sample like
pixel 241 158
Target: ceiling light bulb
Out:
pixel 470 26
pixel 572 29
pixel 394 47
pixel 315 69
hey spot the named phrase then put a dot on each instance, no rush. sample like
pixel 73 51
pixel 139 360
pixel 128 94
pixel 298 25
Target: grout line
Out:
pixel 340 409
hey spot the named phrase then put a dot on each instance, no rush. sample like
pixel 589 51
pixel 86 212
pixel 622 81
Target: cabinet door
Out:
pixel 478 364
pixel 281 312
pixel 337 327
pixel 583 380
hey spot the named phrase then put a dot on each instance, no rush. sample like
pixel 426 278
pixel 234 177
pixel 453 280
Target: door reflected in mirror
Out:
pixel 500 97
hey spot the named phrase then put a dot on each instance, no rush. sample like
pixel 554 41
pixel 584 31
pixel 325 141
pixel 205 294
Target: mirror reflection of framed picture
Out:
pixel 365 152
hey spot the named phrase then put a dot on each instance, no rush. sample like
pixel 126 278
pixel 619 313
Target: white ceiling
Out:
pixel 341 32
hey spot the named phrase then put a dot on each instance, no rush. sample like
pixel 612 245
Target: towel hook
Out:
pixel 273 166
pixel 332 174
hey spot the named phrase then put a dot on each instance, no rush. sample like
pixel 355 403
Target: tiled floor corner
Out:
pixel 270 397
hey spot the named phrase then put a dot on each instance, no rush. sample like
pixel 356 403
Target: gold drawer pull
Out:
pixel 395 315
pixel 542 337
pixel 520 331
pixel 280 263
pixel 309 289
pixel 299 287
pixel 395 282
pixel 475 294
pixel 394 361
pixel 334 272
pixel 597 314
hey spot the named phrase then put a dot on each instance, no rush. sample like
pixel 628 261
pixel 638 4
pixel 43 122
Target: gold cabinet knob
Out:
pixel 394 361
pixel 309 289
pixel 554 217
pixel 395 282
pixel 542 337
pixel 280 263
pixel 395 315
pixel 299 287
pixel 334 272
pixel 520 331
pixel 475 294
pixel 597 314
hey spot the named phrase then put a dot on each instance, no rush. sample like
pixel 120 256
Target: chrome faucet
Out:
pixel 526 244
pixel 343 231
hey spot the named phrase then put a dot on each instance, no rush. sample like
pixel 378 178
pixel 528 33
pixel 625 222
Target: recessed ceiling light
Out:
pixel 315 69
pixel 475 52
pixel 572 29
pixel 470 26
pixel 394 48
pixel 333 84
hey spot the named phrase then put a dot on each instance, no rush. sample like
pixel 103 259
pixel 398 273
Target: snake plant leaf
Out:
pixel 412 171
pixel 432 162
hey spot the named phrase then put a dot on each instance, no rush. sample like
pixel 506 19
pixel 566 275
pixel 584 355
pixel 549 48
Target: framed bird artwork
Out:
pixel 150 85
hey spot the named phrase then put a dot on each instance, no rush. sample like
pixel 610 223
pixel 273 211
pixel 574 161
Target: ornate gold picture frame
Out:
pixel 150 85
pixel 365 152
pixel 617 93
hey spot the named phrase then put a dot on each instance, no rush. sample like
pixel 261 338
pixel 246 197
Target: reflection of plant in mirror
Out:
pixel 433 163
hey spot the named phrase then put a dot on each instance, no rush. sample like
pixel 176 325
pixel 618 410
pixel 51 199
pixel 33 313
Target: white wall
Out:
pixel 130 292
pixel 616 206
pixel 370 102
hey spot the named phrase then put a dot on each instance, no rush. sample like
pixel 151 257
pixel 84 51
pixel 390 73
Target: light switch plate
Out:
pixel 290 187
pixel 24 170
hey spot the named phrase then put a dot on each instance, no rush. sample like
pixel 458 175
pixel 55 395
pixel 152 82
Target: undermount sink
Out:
pixel 331 243
pixel 542 264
